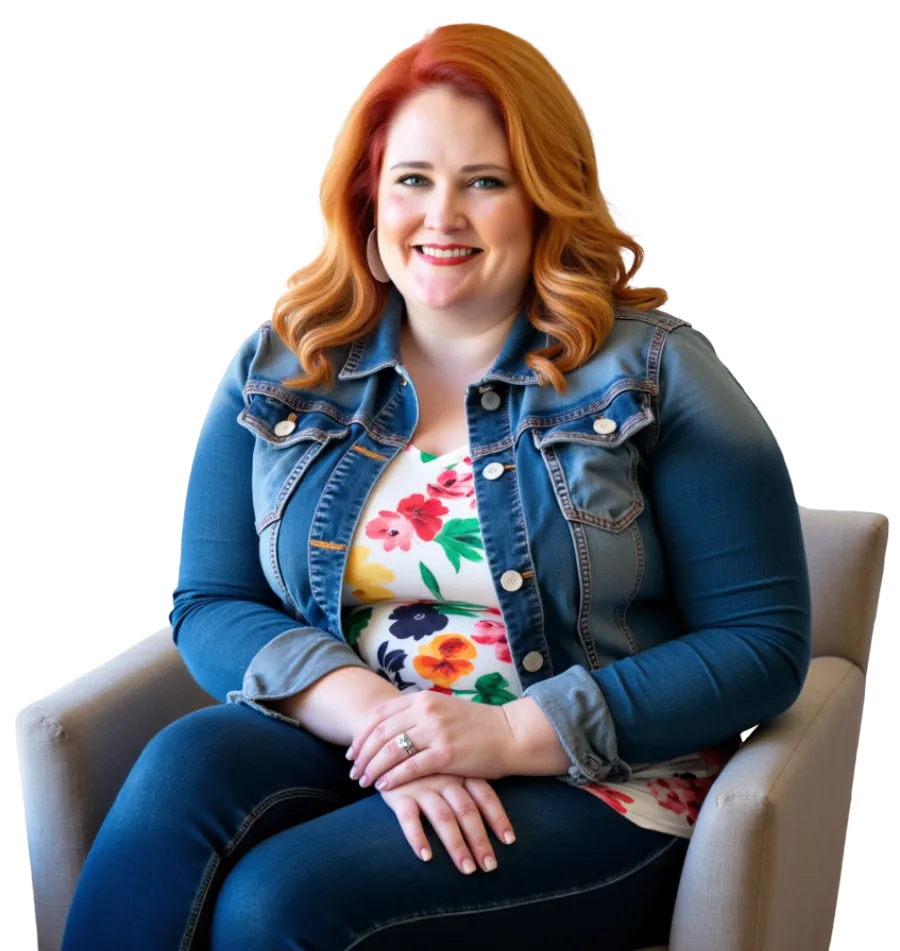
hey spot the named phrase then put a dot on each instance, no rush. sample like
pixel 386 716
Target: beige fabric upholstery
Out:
pixel 763 867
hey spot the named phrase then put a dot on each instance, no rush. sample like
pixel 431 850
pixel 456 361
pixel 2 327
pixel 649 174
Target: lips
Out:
pixel 453 261
pixel 448 247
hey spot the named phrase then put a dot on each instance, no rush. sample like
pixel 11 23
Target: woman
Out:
pixel 474 512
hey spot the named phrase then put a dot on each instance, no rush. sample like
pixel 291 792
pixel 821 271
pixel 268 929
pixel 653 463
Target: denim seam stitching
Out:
pixel 276 570
pixel 502 906
pixel 583 556
pixel 214 862
pixel 623 605
pixel 287 489
pixel 516 506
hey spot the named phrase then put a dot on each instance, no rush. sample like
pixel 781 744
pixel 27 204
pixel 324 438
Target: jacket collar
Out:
pixel 381 347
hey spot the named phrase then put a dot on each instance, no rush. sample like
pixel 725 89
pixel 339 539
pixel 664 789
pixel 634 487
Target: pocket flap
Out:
pixel 607 422
pixel 283 423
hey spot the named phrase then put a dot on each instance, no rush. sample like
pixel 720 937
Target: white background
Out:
pixel 161 168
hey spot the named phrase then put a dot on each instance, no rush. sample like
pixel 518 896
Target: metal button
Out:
pixel 493 471
pixel 285 427
pixel 604 426
pixel 491 400
pixel 533 661
pixel 511 581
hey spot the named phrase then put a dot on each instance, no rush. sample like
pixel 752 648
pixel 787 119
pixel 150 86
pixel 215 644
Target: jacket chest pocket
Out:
pixel 593 462
pixel 288 441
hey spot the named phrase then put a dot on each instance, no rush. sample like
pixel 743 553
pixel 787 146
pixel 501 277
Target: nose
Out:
pixel 443 213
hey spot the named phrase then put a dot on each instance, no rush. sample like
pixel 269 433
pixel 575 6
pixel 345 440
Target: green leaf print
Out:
pixel 358 623
pixel 459 538
pixel 447 608
pixel 490 689
pixel 460 608
pixel 430 580
pixel 428 457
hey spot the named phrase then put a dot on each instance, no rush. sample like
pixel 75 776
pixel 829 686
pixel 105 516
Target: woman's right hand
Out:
pixel 454 805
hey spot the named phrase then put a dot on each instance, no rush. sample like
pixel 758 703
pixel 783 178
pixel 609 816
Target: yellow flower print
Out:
pixel 366 580
pixel 443 659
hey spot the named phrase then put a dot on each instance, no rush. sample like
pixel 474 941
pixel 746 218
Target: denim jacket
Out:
pixel 642 535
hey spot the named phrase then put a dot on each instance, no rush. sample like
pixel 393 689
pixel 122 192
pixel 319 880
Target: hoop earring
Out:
pixel 373 258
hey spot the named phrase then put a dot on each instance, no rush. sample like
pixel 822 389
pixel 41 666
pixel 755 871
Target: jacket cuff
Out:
pixel 574 704
pixel 289 663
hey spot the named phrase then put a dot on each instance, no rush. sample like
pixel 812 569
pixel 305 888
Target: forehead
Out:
pixel 440 123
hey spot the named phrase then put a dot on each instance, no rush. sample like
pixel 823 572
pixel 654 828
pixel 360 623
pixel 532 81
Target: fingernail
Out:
pixel 426 855
pixel 381 784
pixel 349 753
pixel 468 866
pixel 509 838
pixel 490 863
pixel 353 773
pixel 364 781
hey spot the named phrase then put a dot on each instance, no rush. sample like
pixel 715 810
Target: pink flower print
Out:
pixel 452 485
pixel 493 632
pixel 682 795
pixel 612 797
pixel 392 529
pixel 423 515
pixel 467 460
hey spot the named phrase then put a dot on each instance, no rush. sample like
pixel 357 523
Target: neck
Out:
pixel 442 349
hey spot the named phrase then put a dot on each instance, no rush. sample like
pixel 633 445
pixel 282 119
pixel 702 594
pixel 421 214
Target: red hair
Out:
pixel 578 274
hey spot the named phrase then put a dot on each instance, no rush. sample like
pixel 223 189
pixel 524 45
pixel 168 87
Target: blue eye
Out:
pixel 496 181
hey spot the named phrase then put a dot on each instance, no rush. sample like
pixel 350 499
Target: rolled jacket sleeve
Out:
pixel 230 627
pixel 723 507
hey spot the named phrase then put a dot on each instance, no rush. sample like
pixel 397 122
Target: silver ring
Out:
pixel 405 743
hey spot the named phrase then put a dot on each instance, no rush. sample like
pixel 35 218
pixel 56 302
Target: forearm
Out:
pixel 536 749
pixel 336 705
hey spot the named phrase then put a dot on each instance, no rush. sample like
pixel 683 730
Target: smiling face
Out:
pixel 484 208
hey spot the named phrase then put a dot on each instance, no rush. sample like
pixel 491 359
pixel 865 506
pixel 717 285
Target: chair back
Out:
pixel 845 553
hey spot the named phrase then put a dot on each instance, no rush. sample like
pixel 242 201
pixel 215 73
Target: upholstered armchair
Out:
pixel 764 864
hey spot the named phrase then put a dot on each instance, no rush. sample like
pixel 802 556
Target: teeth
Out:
pixel 457 253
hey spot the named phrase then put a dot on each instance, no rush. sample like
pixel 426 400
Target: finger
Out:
pixel 470 820
pixel 384 709
pixel 409 768
pixel 408 815
pixel 442 817
pixel 383 736
pixel 492 809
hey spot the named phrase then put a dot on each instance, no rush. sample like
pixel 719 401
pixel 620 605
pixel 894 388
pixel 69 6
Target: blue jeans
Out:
pixel 235 832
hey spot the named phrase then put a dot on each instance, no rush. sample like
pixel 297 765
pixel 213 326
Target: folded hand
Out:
pixel 450 735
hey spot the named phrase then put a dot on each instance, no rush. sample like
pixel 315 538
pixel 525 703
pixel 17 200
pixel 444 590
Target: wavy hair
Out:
pixel 578 275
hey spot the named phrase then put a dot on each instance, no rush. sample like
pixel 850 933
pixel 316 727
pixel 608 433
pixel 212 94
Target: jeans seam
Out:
pixel 502 906
pixel 215 860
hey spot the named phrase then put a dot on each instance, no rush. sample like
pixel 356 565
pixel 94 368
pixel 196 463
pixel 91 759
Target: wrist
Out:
pixel 536 749
pixel 371 694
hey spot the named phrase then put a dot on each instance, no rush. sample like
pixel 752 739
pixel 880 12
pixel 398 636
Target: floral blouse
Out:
pixel 419 607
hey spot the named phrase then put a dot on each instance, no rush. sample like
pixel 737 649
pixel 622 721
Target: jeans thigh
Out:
pixel 204 791
pixel 578 874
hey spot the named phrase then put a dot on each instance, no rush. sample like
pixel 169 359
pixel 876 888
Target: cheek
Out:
pixel 510 227
pixel 393 212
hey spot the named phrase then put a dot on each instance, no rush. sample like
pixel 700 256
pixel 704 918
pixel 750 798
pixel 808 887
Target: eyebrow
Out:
pixel 465 168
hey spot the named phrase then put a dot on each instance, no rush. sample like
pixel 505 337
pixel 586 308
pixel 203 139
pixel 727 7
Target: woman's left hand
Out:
pixel 450 735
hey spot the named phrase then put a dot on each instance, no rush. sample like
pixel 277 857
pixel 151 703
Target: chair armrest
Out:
pixel 76 747
pixel 764 863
